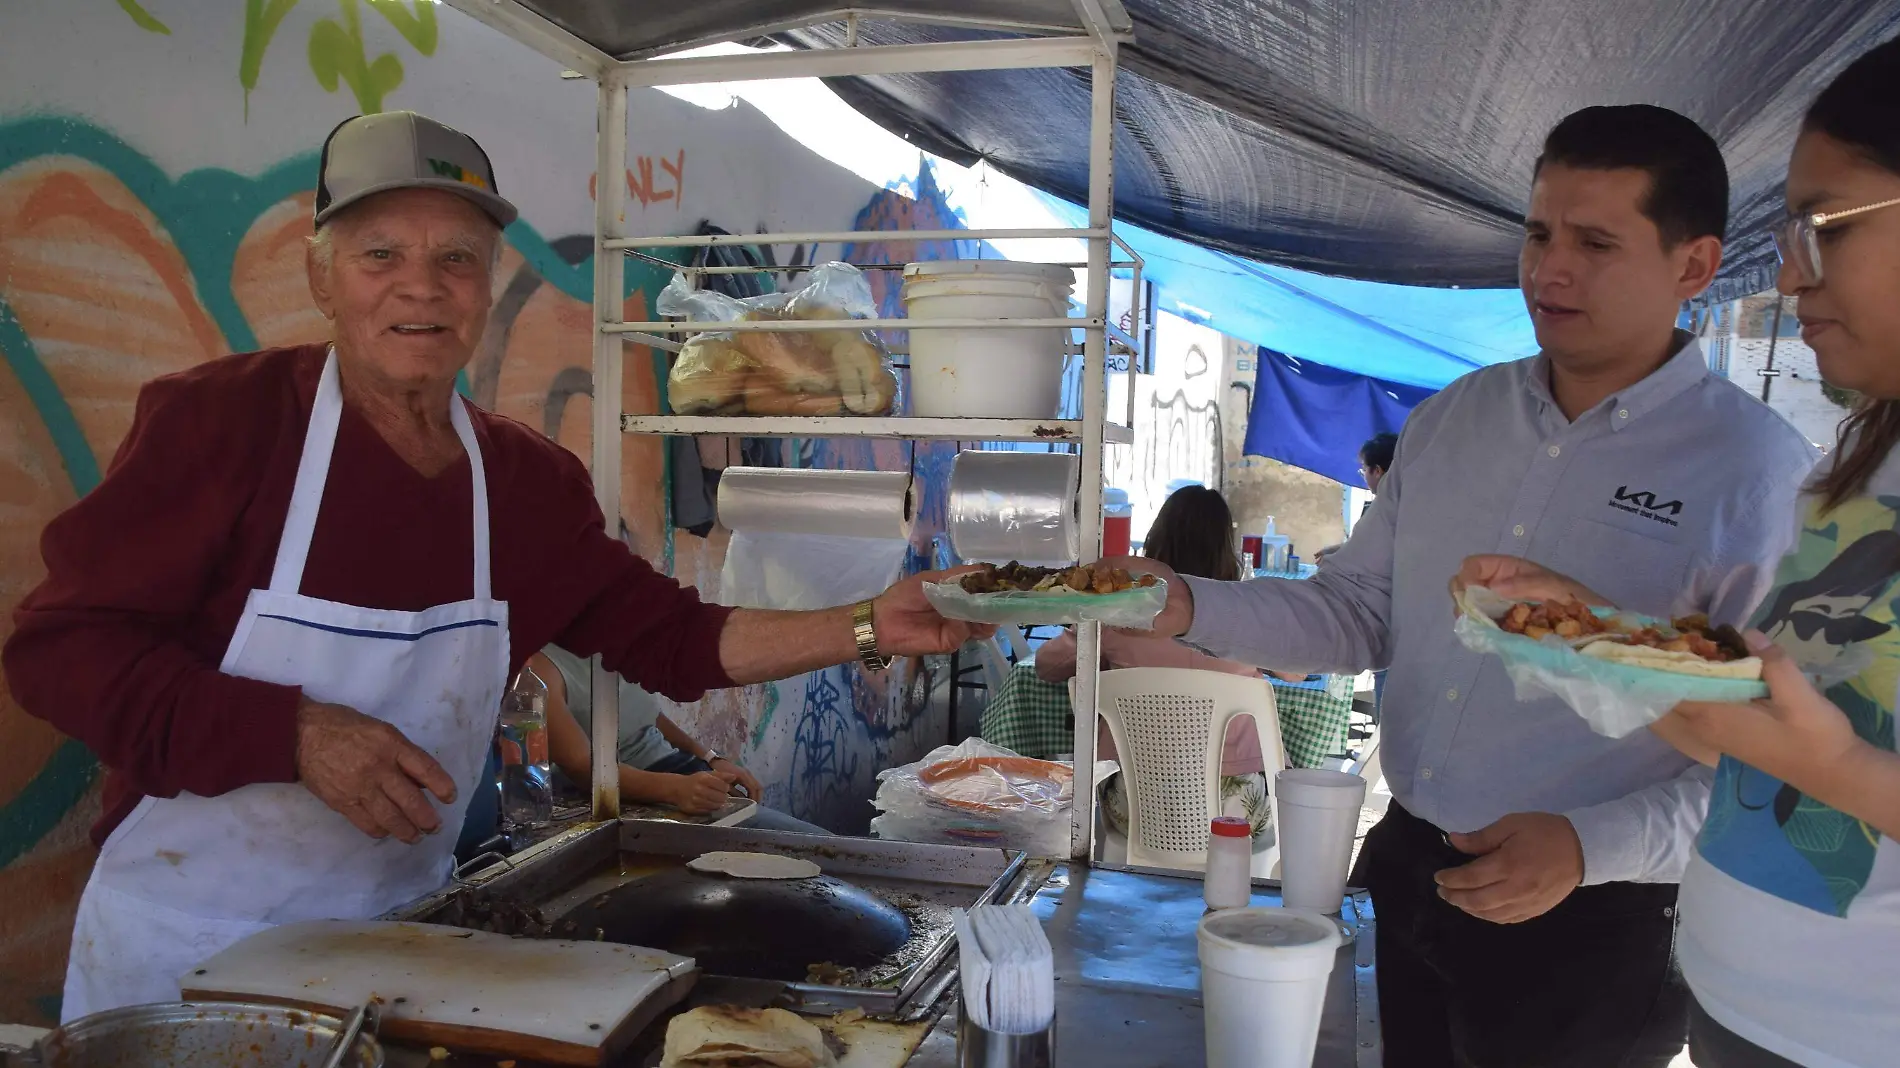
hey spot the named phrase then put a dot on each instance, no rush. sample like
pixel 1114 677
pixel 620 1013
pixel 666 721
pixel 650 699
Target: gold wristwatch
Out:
pixel 865 631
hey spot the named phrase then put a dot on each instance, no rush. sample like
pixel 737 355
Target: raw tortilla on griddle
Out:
pixel 754 866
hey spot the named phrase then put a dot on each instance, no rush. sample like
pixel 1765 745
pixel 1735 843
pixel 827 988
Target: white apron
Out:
pixel 185 877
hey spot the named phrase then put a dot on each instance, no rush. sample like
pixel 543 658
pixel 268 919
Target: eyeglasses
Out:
pixel 1799 247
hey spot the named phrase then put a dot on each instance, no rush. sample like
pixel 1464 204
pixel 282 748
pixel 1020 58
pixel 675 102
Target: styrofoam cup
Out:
pixel 1319 817
pixel 1263 985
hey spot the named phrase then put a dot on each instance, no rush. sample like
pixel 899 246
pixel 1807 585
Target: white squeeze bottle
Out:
pixel 1228 882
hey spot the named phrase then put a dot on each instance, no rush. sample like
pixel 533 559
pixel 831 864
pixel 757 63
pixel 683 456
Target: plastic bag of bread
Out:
pixel 793 372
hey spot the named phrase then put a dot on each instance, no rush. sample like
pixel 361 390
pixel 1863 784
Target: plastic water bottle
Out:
pixel 527 784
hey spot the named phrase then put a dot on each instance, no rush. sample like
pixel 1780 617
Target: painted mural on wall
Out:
pixel 115 269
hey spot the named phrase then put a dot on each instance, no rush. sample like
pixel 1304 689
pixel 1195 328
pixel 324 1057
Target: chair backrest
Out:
pixel 1169 725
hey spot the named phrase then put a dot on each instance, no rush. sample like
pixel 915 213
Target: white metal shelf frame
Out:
pixel 1097 51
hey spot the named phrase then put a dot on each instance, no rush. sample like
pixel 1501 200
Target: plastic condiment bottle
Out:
pixel 1228 883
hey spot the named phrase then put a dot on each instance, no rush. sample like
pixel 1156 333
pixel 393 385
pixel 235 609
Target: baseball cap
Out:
pixel 372 154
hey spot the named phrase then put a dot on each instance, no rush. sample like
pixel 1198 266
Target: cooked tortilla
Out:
pixel 754 866
pixel 731 1037
pixel 1645 656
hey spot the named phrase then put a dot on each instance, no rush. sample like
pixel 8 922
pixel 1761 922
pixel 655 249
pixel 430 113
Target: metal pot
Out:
pixel 191 1034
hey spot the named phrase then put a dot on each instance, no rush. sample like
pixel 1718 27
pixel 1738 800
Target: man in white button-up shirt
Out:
pixel 1614 456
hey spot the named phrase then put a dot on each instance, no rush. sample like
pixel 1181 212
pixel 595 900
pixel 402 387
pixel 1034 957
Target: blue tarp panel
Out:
pixel 1411 335
pixel 1317 417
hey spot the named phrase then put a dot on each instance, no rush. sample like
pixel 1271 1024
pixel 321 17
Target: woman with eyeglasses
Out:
pixel 1790 936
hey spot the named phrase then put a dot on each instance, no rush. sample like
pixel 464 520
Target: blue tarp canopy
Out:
pixel 1339 360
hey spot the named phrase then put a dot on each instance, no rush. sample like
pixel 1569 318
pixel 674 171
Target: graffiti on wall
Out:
pixel 112 273
pixel 337 52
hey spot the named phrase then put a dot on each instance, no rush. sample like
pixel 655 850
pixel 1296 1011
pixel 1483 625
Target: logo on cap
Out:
pixel 455 171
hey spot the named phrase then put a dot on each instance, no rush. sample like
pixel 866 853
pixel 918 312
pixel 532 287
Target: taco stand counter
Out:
pixel 1127 974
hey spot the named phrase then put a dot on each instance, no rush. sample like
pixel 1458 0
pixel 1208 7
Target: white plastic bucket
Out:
pixel 997 374
pixel 1263 985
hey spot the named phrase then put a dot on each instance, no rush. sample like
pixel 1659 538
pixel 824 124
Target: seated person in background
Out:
pixel 659 762
pixel 1375 459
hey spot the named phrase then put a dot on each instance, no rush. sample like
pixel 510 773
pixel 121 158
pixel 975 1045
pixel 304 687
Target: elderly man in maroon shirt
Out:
pixel 285 619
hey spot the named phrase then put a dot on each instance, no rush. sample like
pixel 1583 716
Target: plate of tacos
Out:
pixel 1621 670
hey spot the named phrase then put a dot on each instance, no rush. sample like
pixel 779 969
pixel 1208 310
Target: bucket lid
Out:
pixel 1251 929
pixel 1041 272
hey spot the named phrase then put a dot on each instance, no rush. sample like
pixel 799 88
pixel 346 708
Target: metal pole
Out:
pixel 1094 414
pixel 1768 371
pixel 610 199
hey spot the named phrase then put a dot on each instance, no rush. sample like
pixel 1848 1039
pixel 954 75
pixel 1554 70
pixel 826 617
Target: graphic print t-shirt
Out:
pixel 1791 909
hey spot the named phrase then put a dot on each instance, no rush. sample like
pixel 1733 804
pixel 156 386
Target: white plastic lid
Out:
pixel 1042 272
pixel 1268 943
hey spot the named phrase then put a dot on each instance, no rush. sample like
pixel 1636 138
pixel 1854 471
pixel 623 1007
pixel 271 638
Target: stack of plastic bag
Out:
pixel 977 794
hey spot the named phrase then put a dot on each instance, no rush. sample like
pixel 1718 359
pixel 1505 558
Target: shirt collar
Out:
pixel 1684 369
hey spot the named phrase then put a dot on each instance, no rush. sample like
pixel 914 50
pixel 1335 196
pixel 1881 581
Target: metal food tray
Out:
pixel 586 860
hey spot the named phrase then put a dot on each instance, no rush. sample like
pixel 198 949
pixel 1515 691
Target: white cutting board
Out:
pixel 542 999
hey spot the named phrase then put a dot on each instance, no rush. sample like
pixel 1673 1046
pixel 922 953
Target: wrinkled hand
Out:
pixel 1794 734
pixel 699 793
pixel 908 626
pixel 368 772
pixel 1521 580
pixel 1527 863
pixel 1178 616
pixel 735 775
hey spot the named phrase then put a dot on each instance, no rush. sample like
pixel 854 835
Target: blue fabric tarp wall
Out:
pixel 1340 360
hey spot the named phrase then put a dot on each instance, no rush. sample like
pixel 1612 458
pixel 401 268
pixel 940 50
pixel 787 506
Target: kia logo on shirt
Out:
pixel 1645 504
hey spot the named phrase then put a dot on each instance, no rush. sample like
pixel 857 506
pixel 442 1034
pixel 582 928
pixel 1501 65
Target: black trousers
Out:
pixel 1590 984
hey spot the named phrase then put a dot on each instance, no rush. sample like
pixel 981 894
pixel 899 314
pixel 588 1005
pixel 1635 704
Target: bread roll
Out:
pixel 707 377
pixel 764 397
pixel 865 379
pixel 794 361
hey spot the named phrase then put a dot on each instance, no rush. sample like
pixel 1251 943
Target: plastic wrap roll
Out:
pixel 1015 506
pixel 804 539
pixel 853 504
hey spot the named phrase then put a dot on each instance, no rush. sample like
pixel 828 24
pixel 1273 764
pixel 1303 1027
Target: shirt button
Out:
pixel 1554 450
pixel 1518 530
pixel 1424 773
pixel 1451 695
pixel 1622 413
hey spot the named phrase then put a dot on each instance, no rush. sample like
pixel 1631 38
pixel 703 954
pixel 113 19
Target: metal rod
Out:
pixel 1768 371
pixel 831 237
pixel 1006 54
pixel 1094 415
pixel 791 268
pixel 539 34
pixel 610 199
pixel 869 426
pixel 806 326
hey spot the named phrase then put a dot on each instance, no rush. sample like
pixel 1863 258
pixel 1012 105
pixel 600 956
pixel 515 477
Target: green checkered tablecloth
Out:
pixel 1313 718
pixel 1031 717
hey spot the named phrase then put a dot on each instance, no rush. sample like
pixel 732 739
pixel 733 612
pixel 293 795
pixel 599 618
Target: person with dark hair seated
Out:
pixel 1540 930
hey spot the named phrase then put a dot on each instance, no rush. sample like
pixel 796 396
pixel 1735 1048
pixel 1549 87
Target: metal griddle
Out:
pixel 589 864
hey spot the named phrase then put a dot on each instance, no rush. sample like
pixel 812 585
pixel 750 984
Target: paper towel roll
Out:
pixel 1015 506
pixel 805 539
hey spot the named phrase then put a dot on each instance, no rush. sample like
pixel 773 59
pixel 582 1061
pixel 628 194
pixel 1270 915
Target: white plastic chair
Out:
pixel 1169 725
